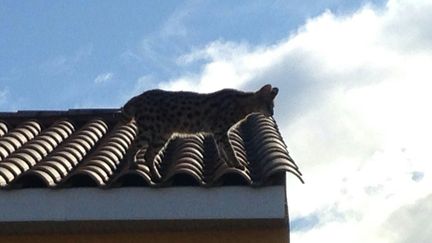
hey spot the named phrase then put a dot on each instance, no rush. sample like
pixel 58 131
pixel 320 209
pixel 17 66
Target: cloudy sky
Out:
pixel 354 79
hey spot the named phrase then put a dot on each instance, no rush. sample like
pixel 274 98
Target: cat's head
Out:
pixel 265 97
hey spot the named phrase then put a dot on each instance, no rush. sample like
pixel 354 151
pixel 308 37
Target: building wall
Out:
pixel 251 235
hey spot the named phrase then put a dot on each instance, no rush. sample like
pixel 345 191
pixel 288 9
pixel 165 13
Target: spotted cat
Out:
pixel 158 114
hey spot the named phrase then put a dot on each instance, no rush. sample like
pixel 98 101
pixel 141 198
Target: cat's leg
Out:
pixel 227 152
pixel 150 156
pixel 131 156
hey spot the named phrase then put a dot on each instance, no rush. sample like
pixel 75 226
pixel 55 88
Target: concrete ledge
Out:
pixel 139 207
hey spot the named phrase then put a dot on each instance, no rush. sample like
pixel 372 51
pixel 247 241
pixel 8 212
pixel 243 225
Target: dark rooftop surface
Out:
pixel 87 148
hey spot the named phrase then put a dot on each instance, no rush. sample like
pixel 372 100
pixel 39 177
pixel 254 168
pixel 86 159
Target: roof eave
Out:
pixel 142 208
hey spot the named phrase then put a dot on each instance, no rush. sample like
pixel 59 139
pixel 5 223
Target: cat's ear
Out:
pixel 265 90
pixel 268 91
pixel 274 92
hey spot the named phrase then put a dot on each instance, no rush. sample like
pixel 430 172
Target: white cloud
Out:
pixel 174 24
pixel 414 219
pixel 354 110
pixel 66 63
pixel 103 77
pixel 3 95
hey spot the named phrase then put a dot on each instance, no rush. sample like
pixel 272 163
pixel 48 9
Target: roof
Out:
pixel 87 148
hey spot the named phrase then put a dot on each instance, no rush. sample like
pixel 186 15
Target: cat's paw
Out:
pixel 132 165
pixel 156 176
pixel 239 166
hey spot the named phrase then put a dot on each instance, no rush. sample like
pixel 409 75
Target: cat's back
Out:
pixel 179 102
pixel 172 99
pixel 161 101
pixel 156 96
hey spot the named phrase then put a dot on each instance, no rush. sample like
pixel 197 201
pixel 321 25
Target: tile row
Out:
pixel 95 154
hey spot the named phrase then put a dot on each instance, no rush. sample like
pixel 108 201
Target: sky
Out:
pixel 354 81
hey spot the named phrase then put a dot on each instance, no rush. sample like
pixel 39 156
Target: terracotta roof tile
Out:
pixel 88 148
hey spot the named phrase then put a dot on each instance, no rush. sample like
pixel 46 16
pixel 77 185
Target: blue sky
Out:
pixel 56 50
pixel 354 80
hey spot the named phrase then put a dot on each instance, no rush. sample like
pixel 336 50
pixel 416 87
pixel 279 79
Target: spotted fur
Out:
pixel 159 114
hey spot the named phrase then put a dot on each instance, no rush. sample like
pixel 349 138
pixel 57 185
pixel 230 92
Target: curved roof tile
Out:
pixel 81 149
pixel 11 141
pixel 3 128
pixel 33 151
pixel 105 160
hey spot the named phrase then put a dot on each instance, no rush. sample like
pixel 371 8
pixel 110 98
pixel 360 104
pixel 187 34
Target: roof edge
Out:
pixel 41 113
pixel 143 204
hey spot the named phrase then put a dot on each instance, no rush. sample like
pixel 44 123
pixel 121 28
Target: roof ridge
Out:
pixel 80 111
